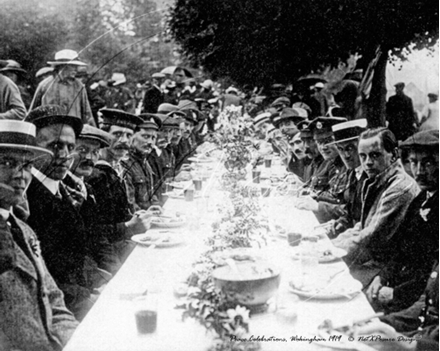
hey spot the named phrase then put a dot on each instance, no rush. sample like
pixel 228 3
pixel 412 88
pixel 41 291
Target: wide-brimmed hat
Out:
pixel 48 115
pixel 12 66
pixel 93 133
pixel 349 130
pixel 19 135
pixel 120 118
pixel 66 57
pixel 288 113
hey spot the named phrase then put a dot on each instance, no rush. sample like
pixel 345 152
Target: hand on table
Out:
pixel 373 289
pixel 373 332
pixel 139 223
pixel 306 203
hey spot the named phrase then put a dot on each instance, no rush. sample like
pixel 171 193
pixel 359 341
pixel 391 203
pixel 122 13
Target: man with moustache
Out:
pixel 400 283
pixel 323 136
pixel 138 173
pixel 32 310
pixel 315 159
pixel 286 121
pixel 386 195
pixel 88 144
pixel 113 214
pixel 341 201
pixel 54 215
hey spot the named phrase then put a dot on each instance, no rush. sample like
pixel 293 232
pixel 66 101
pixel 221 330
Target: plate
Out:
pixel 343 288
pixel 160 240
pixel 327 255
pixel 181 185
pixel 343 343
pixel 201 159
pixel 168 222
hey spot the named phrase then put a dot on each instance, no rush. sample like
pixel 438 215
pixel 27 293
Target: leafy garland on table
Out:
pixel 239 227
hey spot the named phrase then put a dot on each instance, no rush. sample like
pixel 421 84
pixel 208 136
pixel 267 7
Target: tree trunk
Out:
pixel 377 101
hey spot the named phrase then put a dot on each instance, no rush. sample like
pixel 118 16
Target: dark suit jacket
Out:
pixel 416 249
pixel 152 99
pixel 62 234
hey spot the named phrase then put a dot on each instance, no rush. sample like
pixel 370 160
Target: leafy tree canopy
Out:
pixel 261 42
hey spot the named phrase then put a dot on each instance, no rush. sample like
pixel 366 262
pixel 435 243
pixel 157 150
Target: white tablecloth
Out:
pixel 110 325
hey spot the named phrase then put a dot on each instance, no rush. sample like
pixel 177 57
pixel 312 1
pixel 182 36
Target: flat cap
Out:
pixel 281 101
pixel 166 108
pixel 90 132
pixel 426 138
pixel 150 121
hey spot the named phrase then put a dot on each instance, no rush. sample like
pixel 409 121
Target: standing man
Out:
pixel 154 95
pixel 113 213
pixel 32 310
pixel 386 195
pixel 400 114
pixel 402 280
pixel 55 215
pixel 430 114
pixel 63 89
pixel 11 104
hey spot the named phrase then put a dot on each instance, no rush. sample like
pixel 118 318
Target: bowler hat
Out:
pixel 47 115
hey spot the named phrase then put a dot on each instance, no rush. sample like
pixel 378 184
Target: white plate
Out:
pixel 344 288
pixel 201 160
pixel 168 222
pixel 149 239
pixel 335 256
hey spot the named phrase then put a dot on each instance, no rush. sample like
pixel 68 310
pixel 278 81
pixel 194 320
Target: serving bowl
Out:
pixel 250 283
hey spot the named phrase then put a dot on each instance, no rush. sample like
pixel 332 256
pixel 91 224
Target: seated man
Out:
pixel 54 214
pixel 419 321
pixel 341 199
pixel 138 173
pixel 402 280
pixel 386 195
pixel 314 158
pixel 321 127
pixel 113 210
pixel 32 310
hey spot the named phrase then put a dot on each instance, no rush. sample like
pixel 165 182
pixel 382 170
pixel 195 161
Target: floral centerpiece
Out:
pixel 240 226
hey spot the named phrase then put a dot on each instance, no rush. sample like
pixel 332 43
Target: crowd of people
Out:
pixel 84 168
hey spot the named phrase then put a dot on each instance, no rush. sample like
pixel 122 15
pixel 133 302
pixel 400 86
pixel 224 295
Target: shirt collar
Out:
pixel 52 185
pixel 4 213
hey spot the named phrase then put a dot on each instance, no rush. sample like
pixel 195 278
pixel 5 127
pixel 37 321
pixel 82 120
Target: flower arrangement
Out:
pixel 240 226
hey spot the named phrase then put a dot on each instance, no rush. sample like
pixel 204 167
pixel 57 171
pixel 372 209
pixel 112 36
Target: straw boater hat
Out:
pixel 47 115
pixel 66 57
pixel 262 118
pixel 19 135
pixel 350 130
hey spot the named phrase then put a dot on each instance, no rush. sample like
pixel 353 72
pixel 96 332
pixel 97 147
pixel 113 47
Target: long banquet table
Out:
pixel 110 325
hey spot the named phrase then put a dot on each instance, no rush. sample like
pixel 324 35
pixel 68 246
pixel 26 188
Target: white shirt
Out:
pixel 5 213
pixel 52 185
